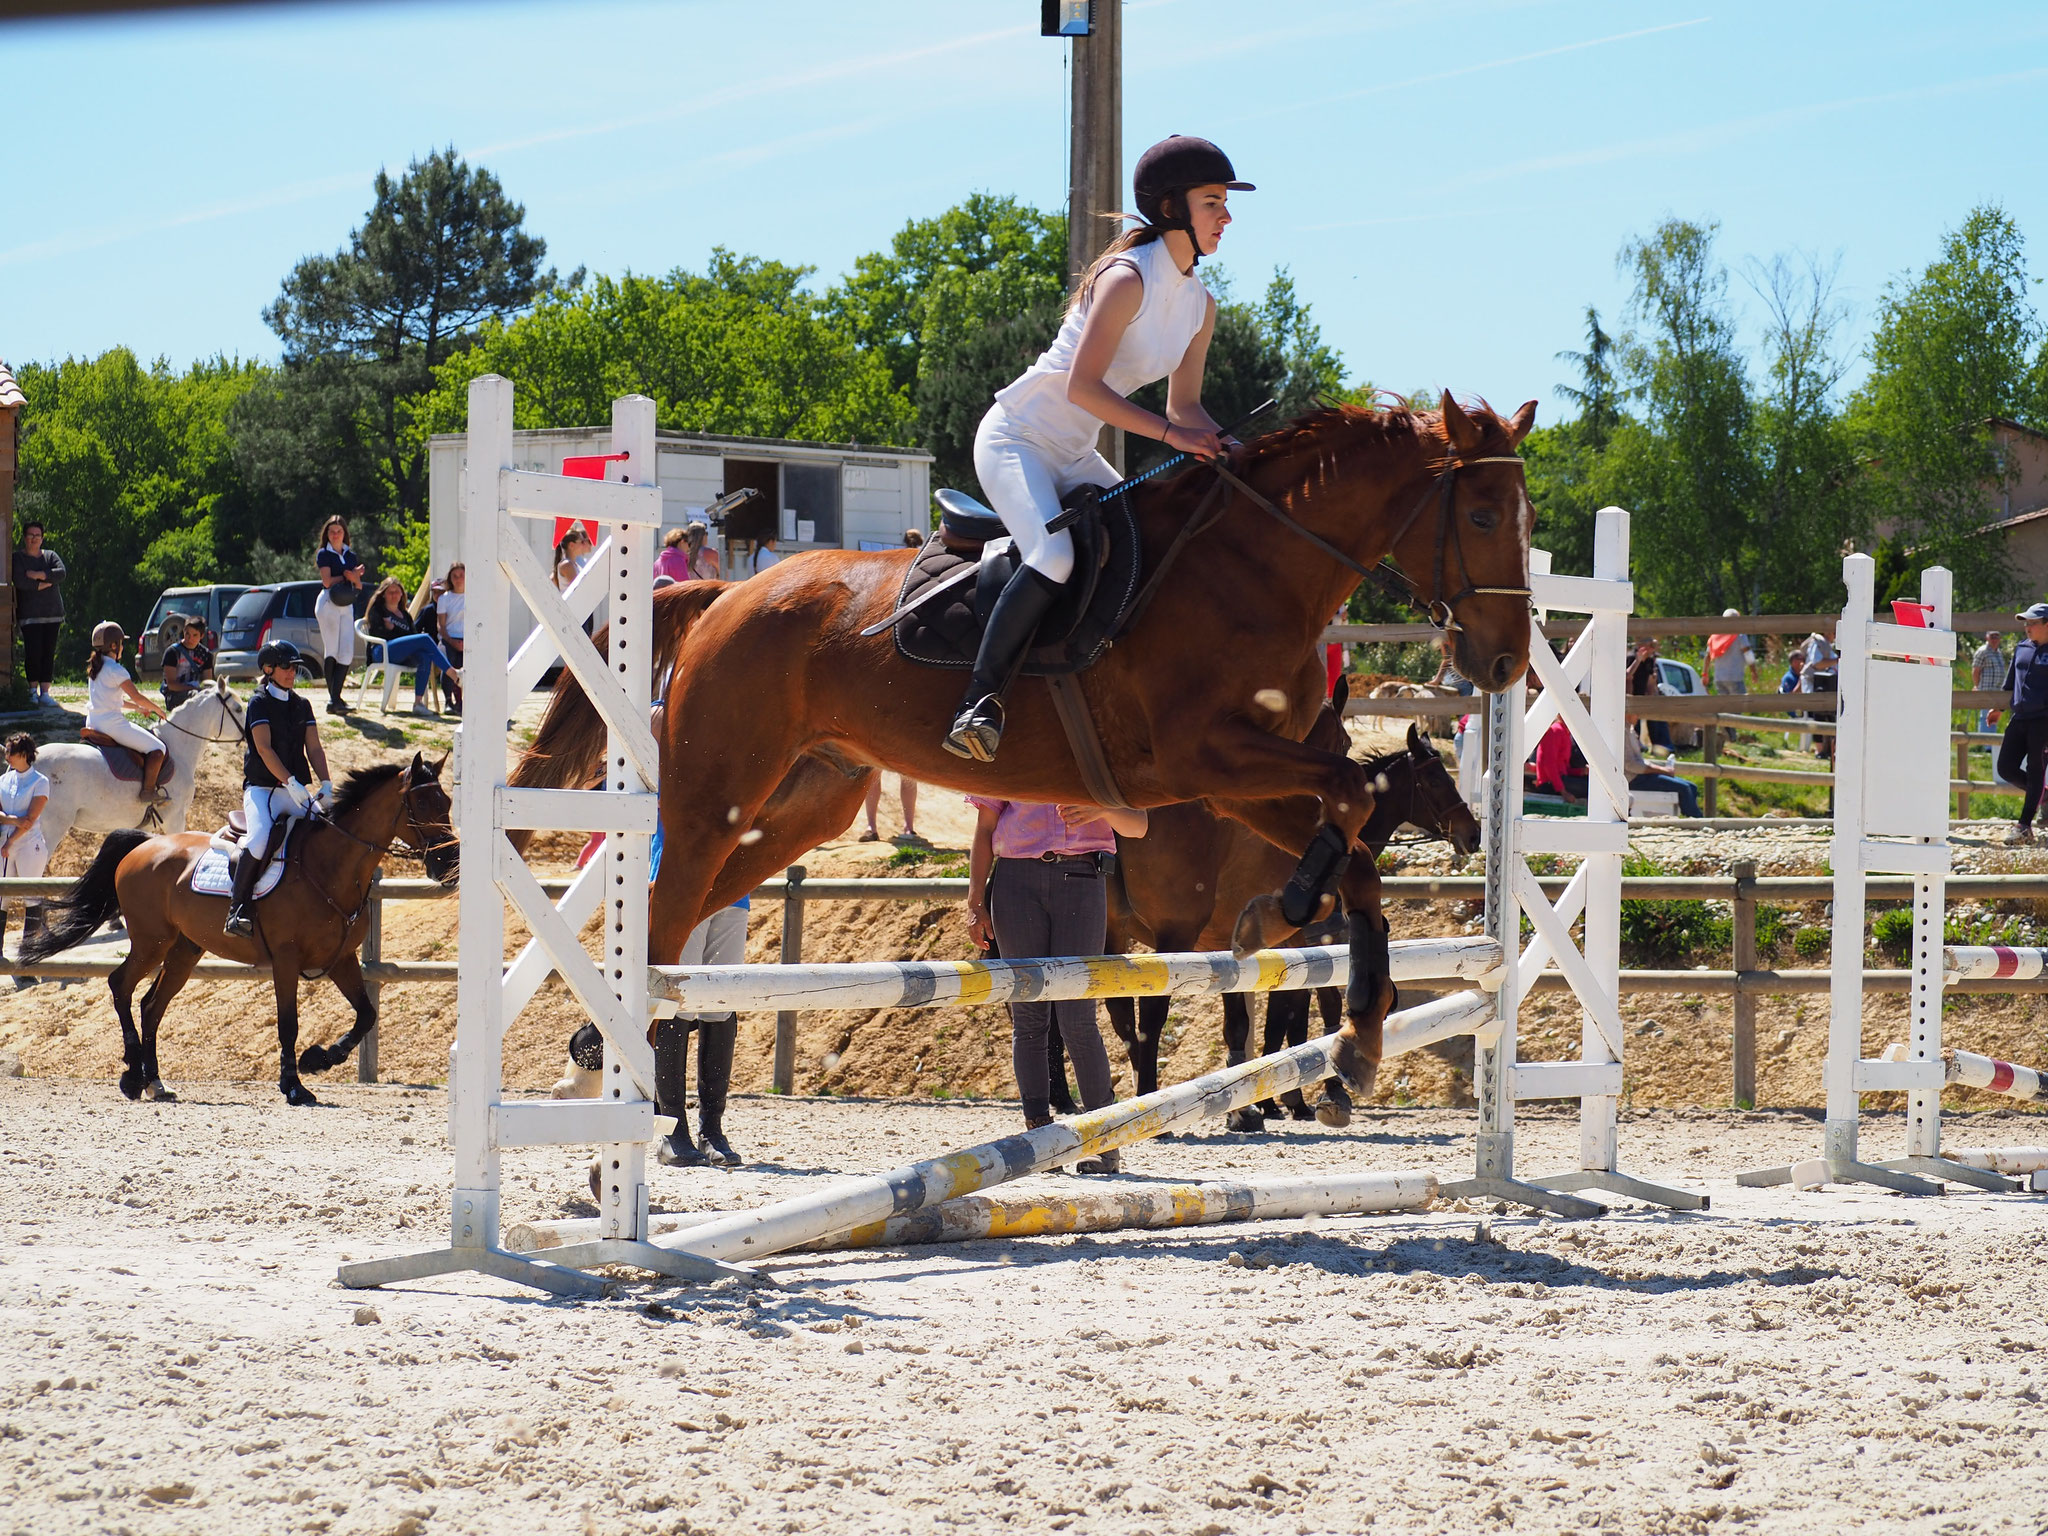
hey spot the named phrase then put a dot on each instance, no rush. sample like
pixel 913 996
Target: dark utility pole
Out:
pixel 1095 162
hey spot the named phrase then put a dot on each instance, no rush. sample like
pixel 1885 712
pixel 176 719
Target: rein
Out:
pixel 348 919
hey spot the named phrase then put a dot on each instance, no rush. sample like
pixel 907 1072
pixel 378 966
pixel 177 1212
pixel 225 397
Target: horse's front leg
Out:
pixel 284 980
pixel 178 966
pixel 347 975
pixel 1266 920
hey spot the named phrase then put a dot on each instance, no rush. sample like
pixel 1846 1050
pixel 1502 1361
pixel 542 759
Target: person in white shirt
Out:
pixel 110 692
pixel 448 618
pixel 766 554
pixel 1139 315
pixel 24 854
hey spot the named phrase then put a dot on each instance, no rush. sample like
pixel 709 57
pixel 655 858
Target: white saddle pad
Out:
pixel 215 875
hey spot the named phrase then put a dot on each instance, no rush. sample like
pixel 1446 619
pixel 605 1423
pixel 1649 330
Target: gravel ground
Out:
pixel 1784 1362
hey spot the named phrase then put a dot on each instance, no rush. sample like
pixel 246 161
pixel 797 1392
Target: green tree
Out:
pixel 742 349
pixel 1952 349
pixel 441 252
pixel 1685 469
pixel 132 472
pixel 1599 394
pixel 1310 371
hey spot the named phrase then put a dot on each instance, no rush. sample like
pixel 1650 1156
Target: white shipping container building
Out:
pixel 813 495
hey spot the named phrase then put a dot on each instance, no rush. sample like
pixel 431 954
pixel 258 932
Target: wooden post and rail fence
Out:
pixel 1744 889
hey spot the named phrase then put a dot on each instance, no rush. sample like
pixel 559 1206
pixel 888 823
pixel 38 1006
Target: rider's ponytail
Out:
pixel 92 668
pixel 1122 245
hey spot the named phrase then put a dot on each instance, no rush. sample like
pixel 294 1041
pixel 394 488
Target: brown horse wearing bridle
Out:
pixel 312 924
pixel 778 706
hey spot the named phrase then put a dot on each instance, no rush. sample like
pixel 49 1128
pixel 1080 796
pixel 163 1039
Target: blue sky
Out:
pixel 1449 180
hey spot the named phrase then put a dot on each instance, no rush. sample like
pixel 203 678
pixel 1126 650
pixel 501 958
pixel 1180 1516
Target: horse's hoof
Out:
pixel 132 1083
pixel 1248 1120
pixel 1355 1069
pixel 314 1059
pixel 160 1093
pixel 1333 1114
pixel 299 1096
pixel 577 1083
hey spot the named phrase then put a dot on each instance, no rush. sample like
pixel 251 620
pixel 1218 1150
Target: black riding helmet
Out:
pixel 1171 167
pixel 277 653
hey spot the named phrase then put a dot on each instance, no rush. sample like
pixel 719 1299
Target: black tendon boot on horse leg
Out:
pixel 1368 999
pixel 715 1041
pixel 978 728
pixel 1305 898
pixel 671 1076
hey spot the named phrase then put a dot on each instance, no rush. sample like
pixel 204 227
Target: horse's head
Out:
pixel 1467 549
pixel 425 821
pixel 225 709
pixel 1437 806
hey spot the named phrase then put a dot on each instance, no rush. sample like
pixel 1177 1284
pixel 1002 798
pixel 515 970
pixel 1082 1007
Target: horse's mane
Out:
pixel 362 784
pixel 1357 426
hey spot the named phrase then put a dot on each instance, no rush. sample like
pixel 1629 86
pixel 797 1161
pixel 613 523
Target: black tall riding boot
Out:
pixel 978 728
pixel 337 679
pixel 717 1037
pixel 671 1077
pixel 247 867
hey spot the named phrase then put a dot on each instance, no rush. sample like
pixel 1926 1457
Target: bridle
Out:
pixel 1440 611
pixel 231 705
pixel 406 814
pixel 1436 808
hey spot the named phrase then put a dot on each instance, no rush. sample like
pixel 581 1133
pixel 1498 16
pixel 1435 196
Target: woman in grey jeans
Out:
pixel 1035 884
pixel 38 577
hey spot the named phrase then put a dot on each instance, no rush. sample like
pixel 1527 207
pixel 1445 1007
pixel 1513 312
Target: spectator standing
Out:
pixel 1729 658
pixel 766 554
pixel 341 583
pixel 721 939
pixel 674 560
pixel 571 556
pixel 187 663
pixel 448 619
pixel 703 558
pixel 907 789
pixel 1643 679
pixel 24 854
pixel 109 693
pixel 2023 754
pixel 405 645
pixel 1795 664
pixel 38 576
pixel 1822 674
pixel 1987 671
pixel 1035 885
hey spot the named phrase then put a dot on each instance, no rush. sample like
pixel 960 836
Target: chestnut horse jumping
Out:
pixel 313 923
pixel 774 692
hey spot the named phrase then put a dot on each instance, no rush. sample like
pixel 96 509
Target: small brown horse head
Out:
pixel 426 827
pixel 1438 807
pixel 1467 549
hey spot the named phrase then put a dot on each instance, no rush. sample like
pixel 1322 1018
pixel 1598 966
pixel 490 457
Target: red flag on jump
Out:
pixel 588 467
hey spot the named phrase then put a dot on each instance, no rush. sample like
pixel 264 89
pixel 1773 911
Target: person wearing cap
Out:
pixel 1139 314
pixel 2023 754
pixel 109 694
pixel 1730 657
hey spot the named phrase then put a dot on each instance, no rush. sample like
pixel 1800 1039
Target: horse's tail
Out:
pixel 568 750
pixel 77 914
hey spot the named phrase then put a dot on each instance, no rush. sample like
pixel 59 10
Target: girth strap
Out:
pixel 1071 705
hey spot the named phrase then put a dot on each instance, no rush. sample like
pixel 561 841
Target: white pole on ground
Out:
pixel 1104 1208
pixel 858 1202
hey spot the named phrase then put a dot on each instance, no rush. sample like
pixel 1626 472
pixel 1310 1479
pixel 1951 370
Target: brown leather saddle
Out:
pixel 952 586
pixel 125 763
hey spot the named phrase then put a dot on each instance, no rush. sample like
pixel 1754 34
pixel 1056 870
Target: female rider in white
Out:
pixel 1139 315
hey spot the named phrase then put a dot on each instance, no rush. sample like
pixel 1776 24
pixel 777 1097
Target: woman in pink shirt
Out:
pixel 673 561
pixel 1035 883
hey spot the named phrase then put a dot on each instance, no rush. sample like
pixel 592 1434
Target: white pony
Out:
pixel 86 797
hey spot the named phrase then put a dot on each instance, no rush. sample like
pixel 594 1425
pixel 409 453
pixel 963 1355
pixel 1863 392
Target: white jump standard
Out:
pixel 1891 816
pixel 1597 661
pixel 488 994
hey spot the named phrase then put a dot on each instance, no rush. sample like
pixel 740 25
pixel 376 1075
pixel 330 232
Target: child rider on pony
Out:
pixel 1139 315
pixel 284 739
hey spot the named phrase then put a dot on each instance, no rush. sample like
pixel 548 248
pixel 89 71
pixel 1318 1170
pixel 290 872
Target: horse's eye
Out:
pixel 1485 519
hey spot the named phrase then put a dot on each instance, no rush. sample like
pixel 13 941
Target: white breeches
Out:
pixel 262 809
pixel 29 857
pixel 721 939
pixel 1024 481
pixel 125 731
pixel 337 629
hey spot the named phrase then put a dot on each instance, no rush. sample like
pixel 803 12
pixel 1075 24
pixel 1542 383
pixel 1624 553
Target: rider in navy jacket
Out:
pixel 2023 754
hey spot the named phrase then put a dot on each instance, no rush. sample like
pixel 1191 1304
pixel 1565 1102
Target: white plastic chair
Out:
pixel 373 662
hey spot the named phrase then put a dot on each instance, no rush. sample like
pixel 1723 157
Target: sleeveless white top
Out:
pixel 1172 312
